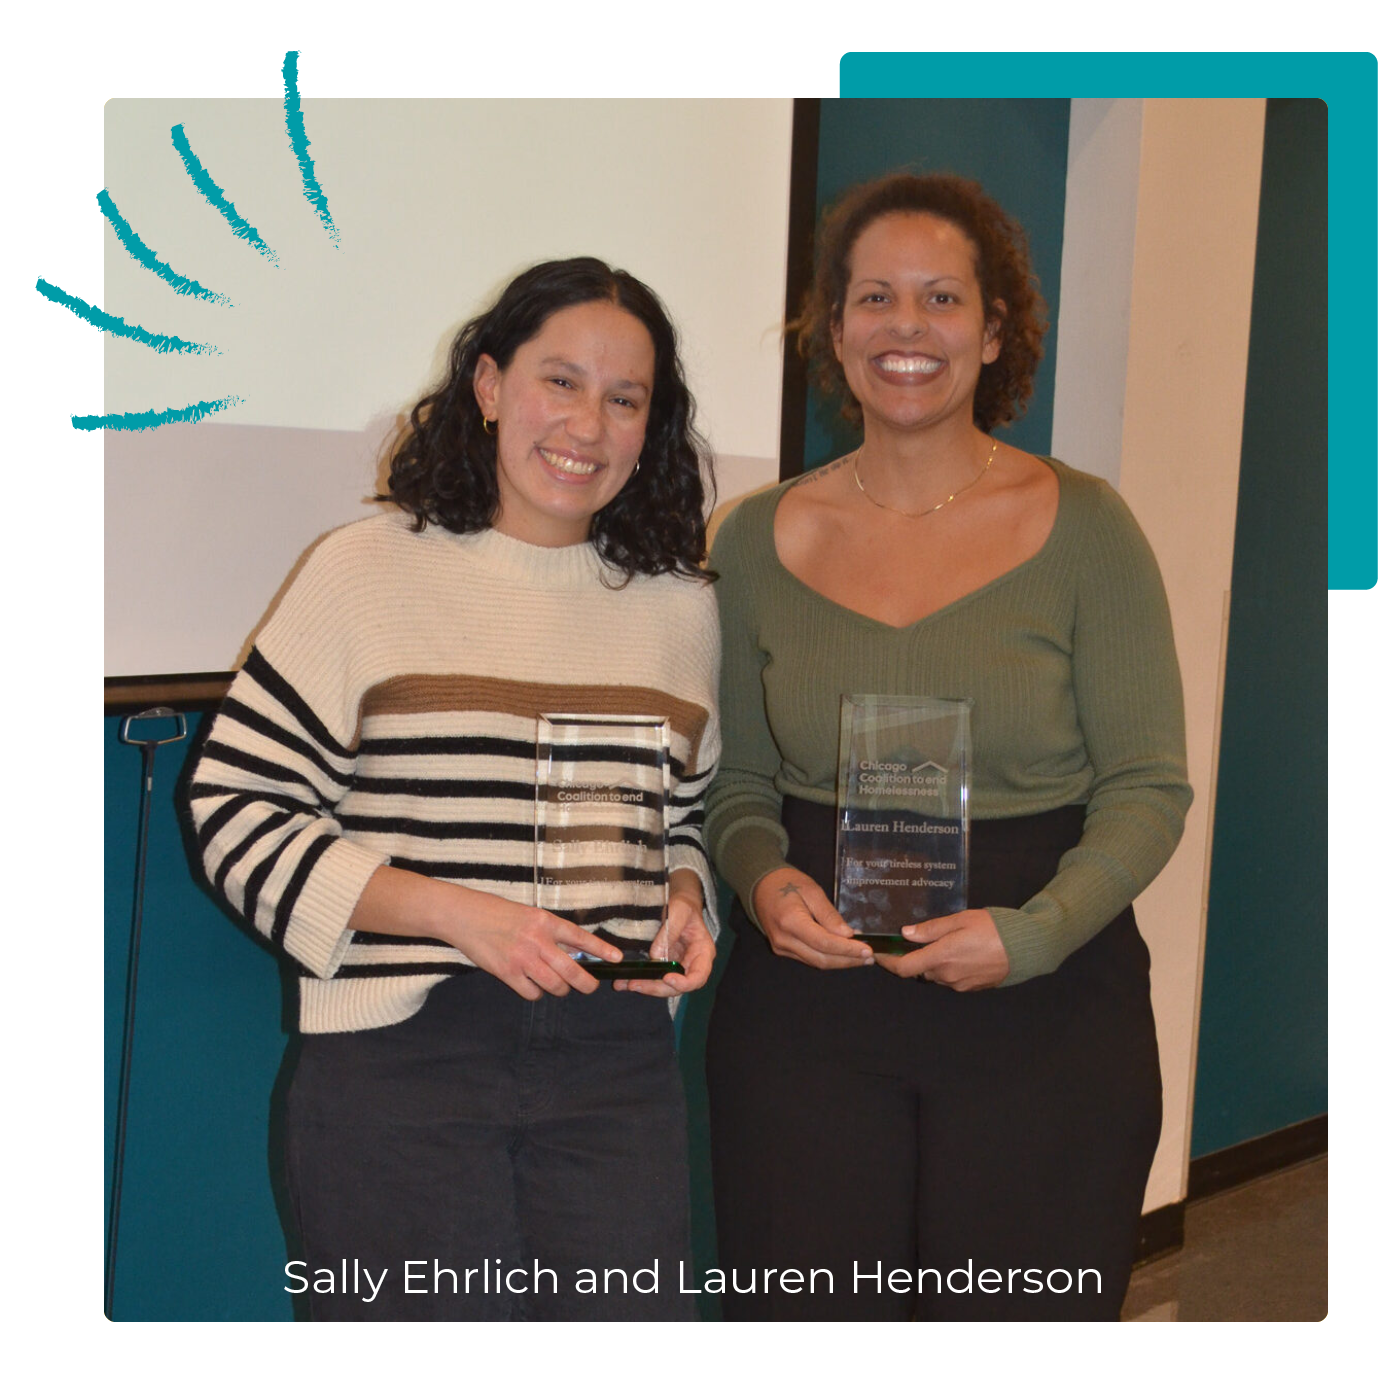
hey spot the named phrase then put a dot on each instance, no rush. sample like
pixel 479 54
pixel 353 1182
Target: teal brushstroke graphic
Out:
pixel 206 186
pixel 116 326
pixel 296 131
pixel 130 240
pixel 139 422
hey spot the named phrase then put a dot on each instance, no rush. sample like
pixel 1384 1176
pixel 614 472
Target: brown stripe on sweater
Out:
pixel 418 695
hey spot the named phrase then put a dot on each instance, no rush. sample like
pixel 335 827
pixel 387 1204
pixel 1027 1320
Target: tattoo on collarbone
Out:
pixel 817 473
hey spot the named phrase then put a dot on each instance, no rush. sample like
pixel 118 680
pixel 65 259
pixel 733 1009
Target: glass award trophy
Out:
pixel 601 783
pixel 901 820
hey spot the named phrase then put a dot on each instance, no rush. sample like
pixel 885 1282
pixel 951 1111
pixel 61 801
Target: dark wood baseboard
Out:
pixel 1231 1166
pixel 198 690
pixel 1161 1231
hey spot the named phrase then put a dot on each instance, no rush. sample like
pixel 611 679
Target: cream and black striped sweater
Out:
pixel 388 714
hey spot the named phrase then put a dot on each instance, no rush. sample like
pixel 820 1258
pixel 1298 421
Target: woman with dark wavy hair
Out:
pixel 972 1099
pixel 445 469
pixel 468 1121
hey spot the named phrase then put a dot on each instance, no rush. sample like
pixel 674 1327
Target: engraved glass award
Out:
pixel 601 783
pixel 901 820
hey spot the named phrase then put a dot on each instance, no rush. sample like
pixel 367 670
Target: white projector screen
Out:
pixel 435 205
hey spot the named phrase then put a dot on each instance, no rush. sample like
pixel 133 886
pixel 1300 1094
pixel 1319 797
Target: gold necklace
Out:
pixel 929 510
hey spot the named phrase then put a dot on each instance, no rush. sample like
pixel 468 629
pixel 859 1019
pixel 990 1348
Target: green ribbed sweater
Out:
pixel 1069 662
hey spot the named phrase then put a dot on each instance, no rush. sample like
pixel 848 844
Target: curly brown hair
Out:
pixel 1002 262
pixel 443 468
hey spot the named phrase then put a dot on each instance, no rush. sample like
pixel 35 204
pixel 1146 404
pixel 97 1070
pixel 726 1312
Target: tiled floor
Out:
pixel 1257 1253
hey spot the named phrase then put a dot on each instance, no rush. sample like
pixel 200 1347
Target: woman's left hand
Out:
pixel 686 940
pixel 964 952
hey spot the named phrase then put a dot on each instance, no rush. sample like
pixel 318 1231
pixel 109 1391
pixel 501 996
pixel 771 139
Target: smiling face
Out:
pixel 570 411
pixel 911 335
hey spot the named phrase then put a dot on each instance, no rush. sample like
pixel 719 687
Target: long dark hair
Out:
pixel 1004 274
pixel 444 467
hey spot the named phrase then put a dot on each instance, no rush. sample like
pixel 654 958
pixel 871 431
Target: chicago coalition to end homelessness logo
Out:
pixel 876 778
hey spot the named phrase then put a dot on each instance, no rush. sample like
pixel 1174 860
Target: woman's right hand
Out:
pixel 526 948
pixel 800 922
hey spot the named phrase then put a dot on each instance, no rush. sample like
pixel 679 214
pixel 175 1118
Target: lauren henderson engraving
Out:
pixel 601 786
pixel 902 828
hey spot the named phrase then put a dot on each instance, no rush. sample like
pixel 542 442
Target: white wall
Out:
pixel 1096 283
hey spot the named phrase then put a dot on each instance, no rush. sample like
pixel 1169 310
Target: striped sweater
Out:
pixel 388 713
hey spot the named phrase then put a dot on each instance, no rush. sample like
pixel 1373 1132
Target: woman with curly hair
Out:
pixel 980 1112
pixel 468 1121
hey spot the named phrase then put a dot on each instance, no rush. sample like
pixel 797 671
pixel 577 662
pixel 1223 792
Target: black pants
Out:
pixel 492 1134
pixel 998 1140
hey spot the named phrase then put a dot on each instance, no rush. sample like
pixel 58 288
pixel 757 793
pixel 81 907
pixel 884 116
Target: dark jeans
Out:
pixel 862 1120
pixel 493 1134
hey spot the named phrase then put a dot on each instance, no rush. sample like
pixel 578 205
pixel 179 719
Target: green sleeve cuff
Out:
pixel 749 849
pixel 1030 948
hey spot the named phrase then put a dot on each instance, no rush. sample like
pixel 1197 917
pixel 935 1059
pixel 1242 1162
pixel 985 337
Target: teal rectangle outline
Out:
pixel 1347 82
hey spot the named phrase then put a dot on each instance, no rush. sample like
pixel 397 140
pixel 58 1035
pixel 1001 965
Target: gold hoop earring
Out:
pixel 488 426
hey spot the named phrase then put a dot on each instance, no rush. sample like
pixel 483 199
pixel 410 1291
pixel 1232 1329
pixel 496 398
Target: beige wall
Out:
pixel 1183 412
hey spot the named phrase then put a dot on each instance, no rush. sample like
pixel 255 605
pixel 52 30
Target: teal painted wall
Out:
pixel 199 1236
pixel 1017 149
pixel 1262 1059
